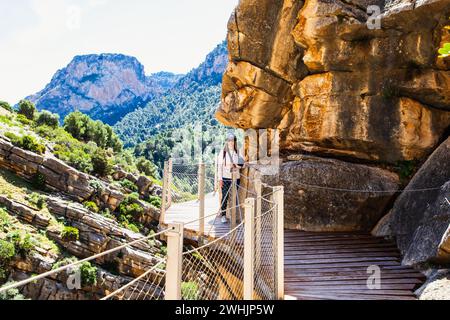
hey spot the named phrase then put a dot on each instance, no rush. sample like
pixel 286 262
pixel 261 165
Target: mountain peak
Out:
pixel 105 86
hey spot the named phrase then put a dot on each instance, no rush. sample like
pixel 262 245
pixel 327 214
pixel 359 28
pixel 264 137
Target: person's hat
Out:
pixel 231 137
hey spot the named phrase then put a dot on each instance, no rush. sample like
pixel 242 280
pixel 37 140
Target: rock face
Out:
pixel 421 219
pixel 437 287
pixel 105 86
pixel 319 196
pixel 97 234
pixel 331 85
pixel 60 177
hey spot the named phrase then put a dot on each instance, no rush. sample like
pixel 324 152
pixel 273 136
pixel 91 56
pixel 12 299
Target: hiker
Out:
pixel 228 161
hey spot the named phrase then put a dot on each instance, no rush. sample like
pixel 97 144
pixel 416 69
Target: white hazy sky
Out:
pixel 38 37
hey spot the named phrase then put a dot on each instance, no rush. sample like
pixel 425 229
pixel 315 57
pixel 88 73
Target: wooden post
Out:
pixel 169 182
pixel 233 200
pixel 249 246
pixel 174 261
pixel 279 213
pixel 164 193
pixel 216 178
pixel 258 231
pixel 201 197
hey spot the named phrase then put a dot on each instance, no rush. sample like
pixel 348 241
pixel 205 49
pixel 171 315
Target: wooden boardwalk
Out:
pixel 319 266
pixel 333 266
pixel 187 212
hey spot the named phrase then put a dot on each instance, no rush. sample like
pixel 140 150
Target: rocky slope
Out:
pixel 105 86
pixel 41 197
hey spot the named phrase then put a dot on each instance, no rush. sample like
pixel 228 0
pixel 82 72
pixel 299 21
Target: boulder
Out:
pixel 326 195
pixel 437 286
pixel 144 183
pixel 421 214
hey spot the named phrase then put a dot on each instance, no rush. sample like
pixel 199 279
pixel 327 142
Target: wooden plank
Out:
pixel 343 264
pixel 372 260
pixel 400 278
pixel 295 237
pixel 338 281
pixel 343 296
pixel 339 250
pixel 297 256
pixel 351 274
pixel 354 290
pixel 298 243
pixel 343 246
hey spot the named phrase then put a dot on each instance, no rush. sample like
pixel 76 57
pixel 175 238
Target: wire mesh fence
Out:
pixel 184 182
pixel 265 248
pixel 215 271
pixel 149 286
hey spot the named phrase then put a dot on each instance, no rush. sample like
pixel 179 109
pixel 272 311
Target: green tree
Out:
pixel 76 124
pixel 83 128
pixel 5 105
pixel 47 118
pixel 101 163
pixel 27 108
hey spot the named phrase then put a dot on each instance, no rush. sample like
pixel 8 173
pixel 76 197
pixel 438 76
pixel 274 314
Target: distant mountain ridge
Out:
pixel 105 86
pixel 193 99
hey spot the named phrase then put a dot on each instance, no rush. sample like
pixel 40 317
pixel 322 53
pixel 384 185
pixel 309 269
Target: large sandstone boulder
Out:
pixel 333 195
pixel 332 85
pixel 421 214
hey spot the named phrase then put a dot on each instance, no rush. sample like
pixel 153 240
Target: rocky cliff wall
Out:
pixel 314 70
pixel 337 89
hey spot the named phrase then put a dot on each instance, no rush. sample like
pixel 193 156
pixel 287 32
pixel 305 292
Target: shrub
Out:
pixel 406 168
pixel 101 163
pixel 23 120
pixel 64 262
pixel 22 243
pixel 107 214
pixel 5 105
pixel 155 201
pixel 26 142
pixel 38 181
pixel 30 143
pixel 92 206
pixel 129 211
pixel 37 200
pixel 127 184
pixel 7 250
pixel 27 108
pixel 132 227
pixel 6 120
pixel 47 118
pixel 70 234
pixel 3 273
pixel 5 219
pixel 11 294
pixel 146 167
pixel 189 290
pixel 88 274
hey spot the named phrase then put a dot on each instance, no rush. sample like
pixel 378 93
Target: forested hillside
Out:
pixel 191 101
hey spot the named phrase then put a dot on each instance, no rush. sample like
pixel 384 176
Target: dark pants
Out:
pixel 226 193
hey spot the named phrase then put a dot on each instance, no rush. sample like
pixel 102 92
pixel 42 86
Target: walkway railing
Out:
pixel 244 263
